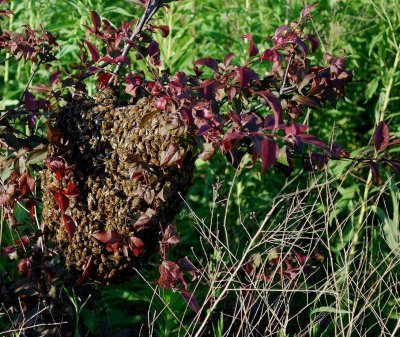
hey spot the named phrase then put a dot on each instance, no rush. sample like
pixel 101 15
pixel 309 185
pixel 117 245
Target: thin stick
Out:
pixel 151 9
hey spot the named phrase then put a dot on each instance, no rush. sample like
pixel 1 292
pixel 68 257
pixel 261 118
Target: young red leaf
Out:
pixel 395 142
pixel 171 235
pixel 381 137
pixel 31 207
pixel 136 245
pixel 70 225
pixel 22 242
pixel 190 300
pixel 26 184
pixel 61 200
pixel 314 42
pixel 171 275
pixel 173 155
pixel 253 50
pixel 94 52
pixel 71 191
pixel 86 272
pixel 163 28
pixel 24 267
pixel 108 236
pixel 58 166
pixel 103 79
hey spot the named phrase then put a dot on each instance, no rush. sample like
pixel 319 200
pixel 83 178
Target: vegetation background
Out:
pixel 346 227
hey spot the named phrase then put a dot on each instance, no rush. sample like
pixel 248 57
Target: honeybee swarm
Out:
pixel 117 154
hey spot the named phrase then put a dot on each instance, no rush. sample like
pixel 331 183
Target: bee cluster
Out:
pixel 129 183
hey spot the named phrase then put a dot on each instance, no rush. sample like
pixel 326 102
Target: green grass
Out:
pixel 337 212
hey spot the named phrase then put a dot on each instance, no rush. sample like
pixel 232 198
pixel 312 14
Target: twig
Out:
pixel 6 59
pixel 29 82
pixel 151 9
pixel 33 326
pixel 283 88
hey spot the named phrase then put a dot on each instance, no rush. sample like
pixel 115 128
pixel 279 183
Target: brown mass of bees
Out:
pixel 130 166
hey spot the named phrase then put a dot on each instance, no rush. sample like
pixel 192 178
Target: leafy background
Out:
pixel 354 225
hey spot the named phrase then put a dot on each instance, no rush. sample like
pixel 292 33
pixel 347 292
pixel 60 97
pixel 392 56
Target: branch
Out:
pixel 151 9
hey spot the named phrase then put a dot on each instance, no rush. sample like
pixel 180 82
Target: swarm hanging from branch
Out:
pixel 113 183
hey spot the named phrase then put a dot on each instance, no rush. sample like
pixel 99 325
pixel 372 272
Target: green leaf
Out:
pixel 282 156
pixel 37 155
pixel 20 165
pixel 371 88
pixel 330 310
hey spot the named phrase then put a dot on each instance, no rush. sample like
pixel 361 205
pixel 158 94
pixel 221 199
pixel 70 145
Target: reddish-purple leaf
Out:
pixel 95 20
pixel 307 10
pixel 154 53
pixel 22 242
pixel 143 220
pixel 57 165
pixel 245 75
pixel 71 191
pixel 313 140
pixel 171 235
pixel 314 42
pixel 86 272
pixel 395 142
pixel 268 153
pixel 103 79
pixel 307 101
pixel 136 245
pixel 26 184
pixel 173 155
pixel 186 266
pixel 70 225
pixel 163 28
pixel 381 137
pixel 190 300
pixel 61 200
pixel 94 52
pixel 376 178
pixel 228 58
pixel 161 103
pixel 253 50
pixel 55 77
pixel 108 237
pixel 171 275
pixel 208 62
pixel 270 55
pixel 115 60
pixel 274 103
pixel 24 267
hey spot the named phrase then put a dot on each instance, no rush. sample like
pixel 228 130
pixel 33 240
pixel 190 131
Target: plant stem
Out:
pixel 151 9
